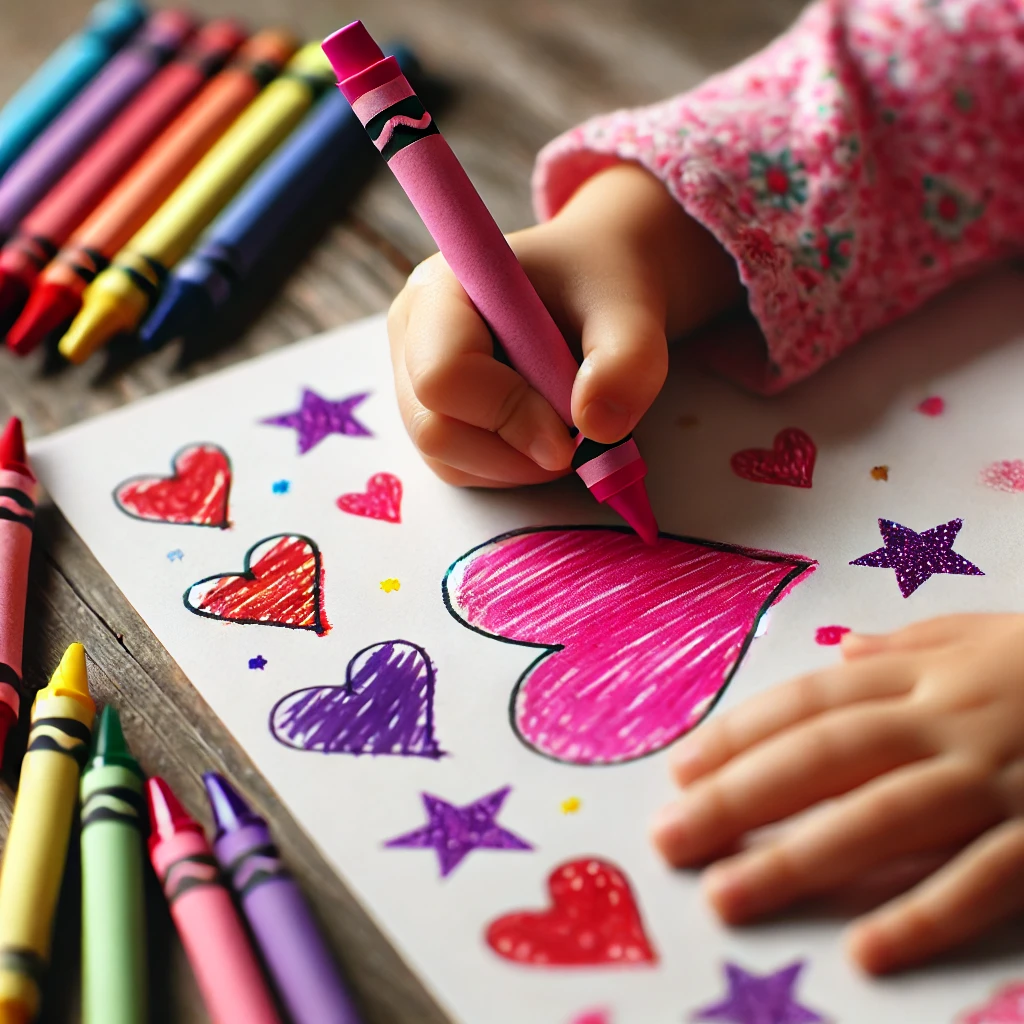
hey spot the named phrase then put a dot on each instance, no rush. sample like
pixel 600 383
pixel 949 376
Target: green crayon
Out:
pixel 113 902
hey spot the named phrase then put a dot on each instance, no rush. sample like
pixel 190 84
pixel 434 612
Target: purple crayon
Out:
pixel 302 969
pixel 60 145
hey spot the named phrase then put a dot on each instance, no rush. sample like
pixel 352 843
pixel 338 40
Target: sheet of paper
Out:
pixel 337 606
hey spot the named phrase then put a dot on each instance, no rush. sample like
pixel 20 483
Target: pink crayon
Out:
pixel 18 489
pixel 459 222
pixel 216 944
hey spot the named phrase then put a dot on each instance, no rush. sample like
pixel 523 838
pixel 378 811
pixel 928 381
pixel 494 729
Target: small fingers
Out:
pixel 912 810
pixel 980 888
pixel 722 738
pixel 916 637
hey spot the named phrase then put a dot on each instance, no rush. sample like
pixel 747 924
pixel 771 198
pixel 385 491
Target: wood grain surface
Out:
pixel 518 73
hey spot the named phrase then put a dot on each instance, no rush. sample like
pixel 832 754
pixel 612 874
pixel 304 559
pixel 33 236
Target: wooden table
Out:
pixel 520 72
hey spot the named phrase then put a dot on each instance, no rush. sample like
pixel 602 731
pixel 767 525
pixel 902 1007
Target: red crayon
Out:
pixel 211 931
pixel 50 223
pixel 18 489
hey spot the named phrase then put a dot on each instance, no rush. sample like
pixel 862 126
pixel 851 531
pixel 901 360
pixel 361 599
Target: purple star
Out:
pixel 916 556
pixel 454 831
pixel 317 417
pixel 760 999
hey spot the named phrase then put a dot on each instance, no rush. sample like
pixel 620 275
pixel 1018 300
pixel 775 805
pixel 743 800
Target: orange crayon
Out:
pixel 57 293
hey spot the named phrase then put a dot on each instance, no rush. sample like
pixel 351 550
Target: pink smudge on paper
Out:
pixel 593 1017
pixel 933 405
pixel 1006 475
pixel 829 636
pixel 1006 1007
pixel 638 641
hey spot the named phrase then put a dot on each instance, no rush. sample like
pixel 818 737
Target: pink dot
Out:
pixel 1006 475
pixel 829 636
pixel 777 181
pixel 932 406
pixel 593 1017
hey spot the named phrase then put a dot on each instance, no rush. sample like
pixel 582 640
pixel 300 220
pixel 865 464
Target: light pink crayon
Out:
pixel 18 495
pixel 479 256
pixel 213 936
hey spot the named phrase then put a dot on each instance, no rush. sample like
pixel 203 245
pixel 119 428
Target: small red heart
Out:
pixel 790 460
pixel 195 495
pixel 281 584
pixel 382 499
pixel 593 919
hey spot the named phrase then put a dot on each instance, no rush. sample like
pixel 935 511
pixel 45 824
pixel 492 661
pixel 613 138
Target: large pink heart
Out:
pixel 789 461
pixel 639 641
pixel 382 499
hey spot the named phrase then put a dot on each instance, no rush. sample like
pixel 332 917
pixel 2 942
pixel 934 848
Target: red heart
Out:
pixel 382 499
pixel 790 461
pixel 195 495
pixel 281 584
pixel 593 919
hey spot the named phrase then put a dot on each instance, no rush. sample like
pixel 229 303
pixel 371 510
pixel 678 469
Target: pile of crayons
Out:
pixel 134 138
pixel 65 757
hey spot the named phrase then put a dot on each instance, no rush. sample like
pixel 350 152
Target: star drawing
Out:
pixel 453 832
pixel 760 999
pixel 917 556
pixel 316 417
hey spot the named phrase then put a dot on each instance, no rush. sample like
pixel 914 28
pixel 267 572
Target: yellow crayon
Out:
pixel 120 297
pixel 37 845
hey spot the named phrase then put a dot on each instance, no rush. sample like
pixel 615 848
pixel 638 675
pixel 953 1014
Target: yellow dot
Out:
pixel 572 805
pixel 390 584
pixel 880 472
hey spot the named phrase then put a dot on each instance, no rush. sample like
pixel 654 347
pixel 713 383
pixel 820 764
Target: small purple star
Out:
pixel 760 999
pixel 258 662
pixel 917 556
pixel 454 831
pixel 317 417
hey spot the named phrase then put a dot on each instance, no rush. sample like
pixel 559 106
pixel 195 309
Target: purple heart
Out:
pixel 385 707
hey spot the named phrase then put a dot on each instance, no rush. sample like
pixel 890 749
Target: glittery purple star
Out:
pixel 916 556
pixel 317 417
pixel 454 831
pixel 760 999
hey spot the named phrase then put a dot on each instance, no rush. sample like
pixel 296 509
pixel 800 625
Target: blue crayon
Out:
pixel 64 73
pixel 250 226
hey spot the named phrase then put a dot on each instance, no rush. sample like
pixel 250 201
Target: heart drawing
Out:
pixel 386 706
pixel 638 641
pixel 790 461
pixel 382 499
pixel 195 494
pixel 593 920
pixel 281 584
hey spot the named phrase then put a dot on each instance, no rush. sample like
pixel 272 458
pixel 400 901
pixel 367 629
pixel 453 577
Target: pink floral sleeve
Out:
pixel 861 163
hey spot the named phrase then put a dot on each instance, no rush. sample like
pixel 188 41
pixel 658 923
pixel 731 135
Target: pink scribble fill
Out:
pixel 1006 475
pixel 1006 1007
pixel 829 636
pixel 933 405
pixel 641 640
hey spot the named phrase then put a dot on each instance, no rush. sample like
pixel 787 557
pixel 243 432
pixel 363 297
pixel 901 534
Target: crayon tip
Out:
pixel 166 815
pixel 97 322
pixel 13 293
pixel 351 49
pixel 12 446
pixel 634 506
pixel 109 747
pixel 230 811
pixel 182 307
pixel 71 678
pixel 49 305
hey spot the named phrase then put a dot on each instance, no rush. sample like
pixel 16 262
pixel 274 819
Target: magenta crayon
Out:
pixel 457 219
pixel 18 493
pixel 279 918
pixel 213 936
pixel 61 144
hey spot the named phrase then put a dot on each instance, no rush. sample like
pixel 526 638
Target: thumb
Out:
pixel 624 366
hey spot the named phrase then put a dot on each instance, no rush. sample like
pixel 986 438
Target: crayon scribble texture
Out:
pixel 641 640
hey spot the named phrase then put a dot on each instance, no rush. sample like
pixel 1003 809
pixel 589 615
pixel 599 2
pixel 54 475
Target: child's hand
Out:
pixel 619 265
pixel 920 736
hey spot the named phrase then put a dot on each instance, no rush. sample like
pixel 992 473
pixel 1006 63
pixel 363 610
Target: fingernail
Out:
pixel 606 418
pixel 544 452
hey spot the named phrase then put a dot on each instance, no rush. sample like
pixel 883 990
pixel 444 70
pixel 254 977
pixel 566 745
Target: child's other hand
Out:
pixel 618 266
pixel 919 737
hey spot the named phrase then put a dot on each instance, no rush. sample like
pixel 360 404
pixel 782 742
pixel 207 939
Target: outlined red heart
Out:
pixel 790 461
pixel 196 493
pixel 593 920
pixel 382 499
pixel 281 584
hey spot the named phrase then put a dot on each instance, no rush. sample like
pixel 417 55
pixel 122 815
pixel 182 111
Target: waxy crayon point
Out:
pixel 109 745
pixel 70 678
pixel 634 506
pixel 12 447
pixel 49 306
pixel 166 815
pixel 99 320
pixel 182 307
pixel 230 811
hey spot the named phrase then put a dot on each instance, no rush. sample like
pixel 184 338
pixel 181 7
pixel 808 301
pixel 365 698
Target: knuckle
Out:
pixel 510 407
pixel 430 382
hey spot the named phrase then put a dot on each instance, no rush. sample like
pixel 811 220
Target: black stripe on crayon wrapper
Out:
pixel 174 890
pixel 9 676
pixel 151 289
pixel 589 450
pixel 38 249
pixel 263 72
pixel 97 263
pixel 402 135
pixel 26 962
pixel 259 877
pixel 11 516
pixel 18 496
pixel 47 744
pixel 126 795
pixel 109 814
pixel 316 81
